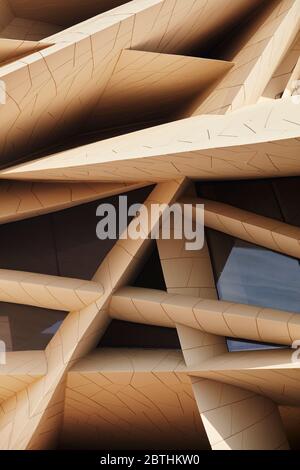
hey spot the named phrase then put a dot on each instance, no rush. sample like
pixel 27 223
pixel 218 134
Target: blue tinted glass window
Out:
pixel 249 274
pixel 257 276
pixel 252 275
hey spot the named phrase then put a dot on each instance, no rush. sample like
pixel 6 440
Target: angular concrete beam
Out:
pixel 53 292
pixel 13 49
pixel 216 317
pixel 190 273
pixel 25 200
pixel 155 83
pixel 78 334
pixel 284 73
pixel 294 77
pixel 253 228
pixel 126 391
pixel 257 60
pixel 271 373
pixel 186 272
pixel 236 419
pixel 256 141
pixel 21 369
pixel 70 76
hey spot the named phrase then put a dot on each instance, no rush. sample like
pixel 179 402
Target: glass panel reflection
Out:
pixel 261 277
pixel 249 274
pixel 246 273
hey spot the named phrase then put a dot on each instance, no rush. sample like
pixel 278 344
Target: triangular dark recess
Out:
pixel 63 243
pixel 151 275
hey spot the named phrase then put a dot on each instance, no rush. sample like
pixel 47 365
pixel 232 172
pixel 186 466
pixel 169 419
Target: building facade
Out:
pixel 141 343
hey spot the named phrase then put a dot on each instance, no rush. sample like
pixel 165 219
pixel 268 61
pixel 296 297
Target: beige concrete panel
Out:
pixel 167 26
pixel 21 369
pixel 27 30
pixel 285 74
pixel 11 49
pixel 185 271
pixel 295 75
pixel 257 141
pixel 144 309
pixel 24 363
pixel 26 405
pixel 256 61
pixel 153 81
pixel 253 228
pixel 25 200
pixel 235 419
pixel 271 373
pixel 210 316
pixel 198 346
pixel 131 399
pixel 6 13
pixel 79 333
pixel 129 304
pixel 52 292
pixel 53 92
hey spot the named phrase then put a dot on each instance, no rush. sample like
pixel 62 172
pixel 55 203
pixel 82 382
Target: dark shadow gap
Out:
pixel 151 274
pixel 230 39
pixel 83 137
pixel 61 14
pixel 27 328
pixel 62 243
pixel 121 334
